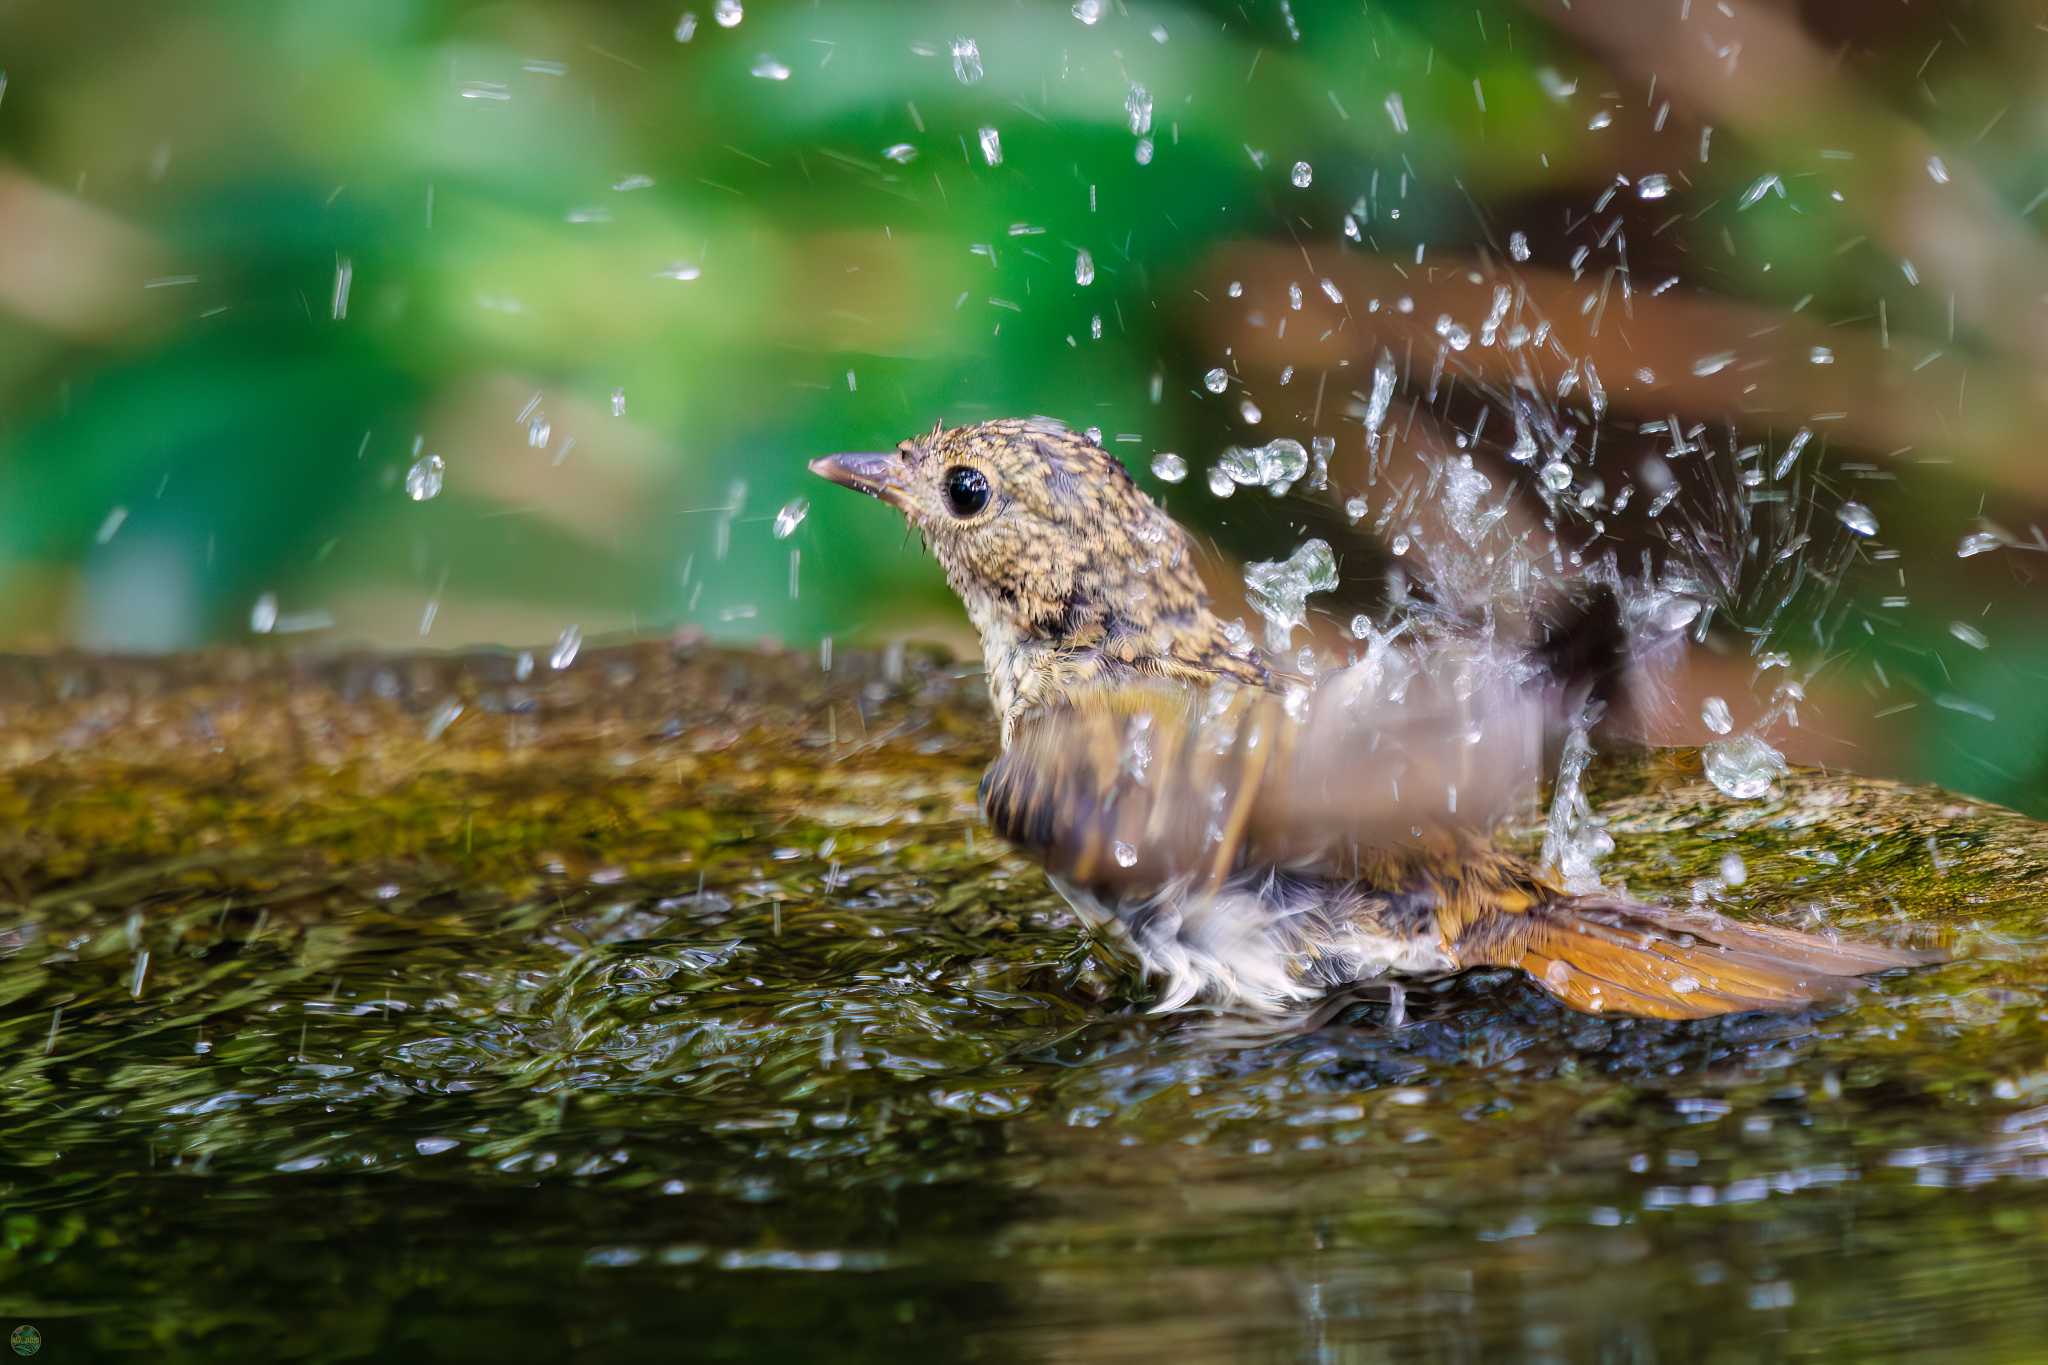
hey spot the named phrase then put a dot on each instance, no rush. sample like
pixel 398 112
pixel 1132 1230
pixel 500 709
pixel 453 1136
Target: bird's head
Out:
pixel 1053 549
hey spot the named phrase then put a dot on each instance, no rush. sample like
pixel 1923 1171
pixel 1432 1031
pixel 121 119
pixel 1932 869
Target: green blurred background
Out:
pixel 623 267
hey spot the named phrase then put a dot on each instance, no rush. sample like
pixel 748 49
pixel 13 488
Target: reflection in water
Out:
pixel 672 999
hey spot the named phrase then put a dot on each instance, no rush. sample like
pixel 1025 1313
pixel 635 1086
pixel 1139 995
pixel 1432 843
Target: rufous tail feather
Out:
pixel 1607 955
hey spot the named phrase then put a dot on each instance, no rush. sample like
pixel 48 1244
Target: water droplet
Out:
pixel 1168 467
pixel 434 1146
pixel 1088 12
pixel 1397 112
pixel 686 27
pixel 966 60
pixel 1556 476
pixel 1791 455
pixel 1733 870
pixel 1221 485
pixel 571 641
pixel 1216 381
pixel 1821 355
pixel 424 479
pixel 1653 187
pixel 902 153
pixel 1758 188
pixel 1969 634
pixel 1382 395
pixel 991 146
pixel 1126 856
pixel 1713 364
pixel 1249 411
pixel 1355 509
pixel 1464 486
pixel 1857 518
pixel 1302 176
pixel 1742 766
pixel 1084 268
pixel 1937 170
pixel 768 68
pixel 1279 589
pixel 728 13
pixel 1518 245
pixel 1714 714
pixel 1321 448
pixel 263 616
pixel 1329 289
pixel 1977 543
pixel 1138 110
pixel 791 516
pixel 618 402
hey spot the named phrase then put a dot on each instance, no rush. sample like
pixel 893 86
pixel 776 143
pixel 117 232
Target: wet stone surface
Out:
pixel 672 1003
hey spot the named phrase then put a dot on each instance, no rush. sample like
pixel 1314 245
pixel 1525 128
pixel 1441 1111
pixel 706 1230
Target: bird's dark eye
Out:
pixel 966 490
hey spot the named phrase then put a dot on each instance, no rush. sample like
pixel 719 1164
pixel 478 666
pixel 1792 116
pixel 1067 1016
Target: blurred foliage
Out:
pixel 624 267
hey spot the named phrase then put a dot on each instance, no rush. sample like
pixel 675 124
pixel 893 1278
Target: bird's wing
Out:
pixel 1137 787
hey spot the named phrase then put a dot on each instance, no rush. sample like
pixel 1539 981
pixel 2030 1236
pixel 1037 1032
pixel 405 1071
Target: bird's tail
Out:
pixel 1603 954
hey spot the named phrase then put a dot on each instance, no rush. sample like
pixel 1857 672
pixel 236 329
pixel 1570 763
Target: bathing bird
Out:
pixel 1265 841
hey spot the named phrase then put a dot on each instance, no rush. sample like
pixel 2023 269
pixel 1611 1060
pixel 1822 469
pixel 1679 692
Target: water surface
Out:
pixel 672 1006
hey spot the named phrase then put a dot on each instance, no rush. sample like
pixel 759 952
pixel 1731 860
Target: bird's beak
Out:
pixel 878 476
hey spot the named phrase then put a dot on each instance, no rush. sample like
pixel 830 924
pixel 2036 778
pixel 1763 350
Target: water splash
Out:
pixel 1279 589
pixel 424 480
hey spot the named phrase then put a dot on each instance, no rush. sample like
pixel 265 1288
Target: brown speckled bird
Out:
pixel 1263 845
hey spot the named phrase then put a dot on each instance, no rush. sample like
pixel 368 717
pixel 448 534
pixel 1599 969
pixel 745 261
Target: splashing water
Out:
pixel 1138 110
pixel 1277 465
pixel 1574 837
pixel 1382 397
pixel 966 61
pixel 1464 486
pixel 1858 518
pixel 1168 467
pixel 1743 766
pixel 1279 589
pixel 423 481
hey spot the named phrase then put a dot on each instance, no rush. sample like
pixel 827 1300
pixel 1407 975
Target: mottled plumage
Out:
pixel 1262 845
